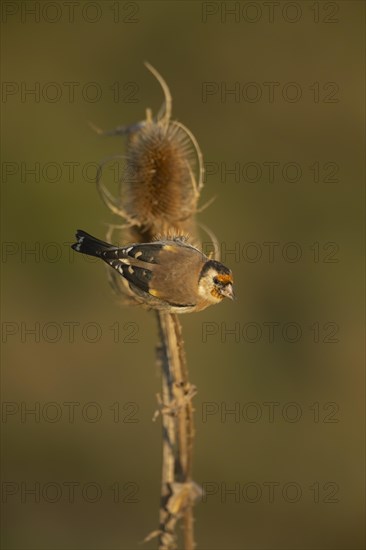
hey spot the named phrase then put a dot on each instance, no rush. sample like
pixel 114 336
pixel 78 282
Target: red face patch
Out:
pixel 224 278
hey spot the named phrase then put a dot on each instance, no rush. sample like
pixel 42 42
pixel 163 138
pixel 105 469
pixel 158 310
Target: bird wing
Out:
pixel 167 270
pixel 175 277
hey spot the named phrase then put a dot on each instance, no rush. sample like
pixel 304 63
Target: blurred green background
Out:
pixel 293 451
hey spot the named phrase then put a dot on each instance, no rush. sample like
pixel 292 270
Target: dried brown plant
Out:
pixel 159 195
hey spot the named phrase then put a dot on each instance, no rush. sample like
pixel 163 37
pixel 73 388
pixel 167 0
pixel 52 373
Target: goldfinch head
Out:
pixel 215 282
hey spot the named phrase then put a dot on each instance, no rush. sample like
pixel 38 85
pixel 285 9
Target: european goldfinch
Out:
pixel 167 274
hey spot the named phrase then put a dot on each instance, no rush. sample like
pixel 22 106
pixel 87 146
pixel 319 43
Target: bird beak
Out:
pixel 228 291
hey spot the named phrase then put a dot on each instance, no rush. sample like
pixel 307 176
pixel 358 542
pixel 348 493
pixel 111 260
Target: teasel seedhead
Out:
pixel 163 175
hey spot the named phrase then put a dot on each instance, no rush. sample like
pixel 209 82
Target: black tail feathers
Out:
pixel 87 244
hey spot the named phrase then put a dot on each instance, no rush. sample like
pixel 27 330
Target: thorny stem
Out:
pixel 177 491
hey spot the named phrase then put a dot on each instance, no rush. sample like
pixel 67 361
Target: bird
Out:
pixel 168 274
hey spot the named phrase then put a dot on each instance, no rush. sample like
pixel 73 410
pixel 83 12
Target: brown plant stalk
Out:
pixel 159 196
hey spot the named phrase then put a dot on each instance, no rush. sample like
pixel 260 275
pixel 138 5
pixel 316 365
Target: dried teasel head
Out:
pixel 159 192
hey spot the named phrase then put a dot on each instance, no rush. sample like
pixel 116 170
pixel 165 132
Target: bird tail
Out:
pixel 87 244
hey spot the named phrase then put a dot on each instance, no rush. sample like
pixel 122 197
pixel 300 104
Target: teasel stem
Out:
pixel 178 492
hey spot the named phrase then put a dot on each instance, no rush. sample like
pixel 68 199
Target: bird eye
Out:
pixel 216 280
